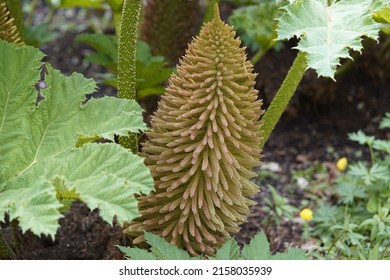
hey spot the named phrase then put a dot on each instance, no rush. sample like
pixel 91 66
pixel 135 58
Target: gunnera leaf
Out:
pixel 160 249
pixel 42 160
pixel 8 30
pixel 168 26
pixel 204 142
pixel 229 251
pixel 336 28
pixel 259 249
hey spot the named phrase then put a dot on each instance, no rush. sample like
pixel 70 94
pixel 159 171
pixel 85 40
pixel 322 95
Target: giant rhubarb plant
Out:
pixel 204 142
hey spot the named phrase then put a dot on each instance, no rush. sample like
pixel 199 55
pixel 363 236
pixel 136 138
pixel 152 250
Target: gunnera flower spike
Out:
pixel 203 144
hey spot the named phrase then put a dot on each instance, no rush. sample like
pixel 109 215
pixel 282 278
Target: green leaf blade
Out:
pixel 331 33
pixel 62 113
pixel 19 73
pixel 57 114
pixel 229 251
pixel 257 249
pixel 106 176
pixel 34 205
pixel 111 195
pixel 107 117
pixel 40 164
pixel 137 254
pixel 164 250
pixel 291 254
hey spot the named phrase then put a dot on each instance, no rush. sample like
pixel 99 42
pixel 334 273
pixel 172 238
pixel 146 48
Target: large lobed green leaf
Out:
pixel 35 206
pixel 164 250
pixel 38 155
pixel 137 254
pixel 160 250
pixel 229 251
pixel 328 31
pixel 259 249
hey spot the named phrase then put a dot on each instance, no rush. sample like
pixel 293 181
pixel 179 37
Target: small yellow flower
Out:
pixel 342 164
pixel 306 214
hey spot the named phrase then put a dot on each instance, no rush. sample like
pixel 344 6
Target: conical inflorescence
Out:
pixel 203 144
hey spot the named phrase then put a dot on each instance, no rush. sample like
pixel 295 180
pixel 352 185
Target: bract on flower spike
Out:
pixel 203 145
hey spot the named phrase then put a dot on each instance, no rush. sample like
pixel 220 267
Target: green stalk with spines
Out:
pixel 127 60
pixel 283 96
